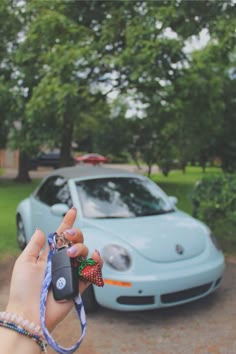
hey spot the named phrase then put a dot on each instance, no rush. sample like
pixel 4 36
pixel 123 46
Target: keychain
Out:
pixel 63 274
pixel 64 271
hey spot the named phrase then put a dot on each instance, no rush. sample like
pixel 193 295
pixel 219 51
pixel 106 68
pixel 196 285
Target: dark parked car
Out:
pixel 49 159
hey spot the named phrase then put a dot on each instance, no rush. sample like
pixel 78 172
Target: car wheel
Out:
pixel 89 301
pixel 21 237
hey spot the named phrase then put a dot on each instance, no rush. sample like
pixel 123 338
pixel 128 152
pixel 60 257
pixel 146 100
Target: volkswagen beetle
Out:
pixel 155 255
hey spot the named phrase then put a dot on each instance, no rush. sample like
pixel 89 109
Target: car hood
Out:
pixel 169 237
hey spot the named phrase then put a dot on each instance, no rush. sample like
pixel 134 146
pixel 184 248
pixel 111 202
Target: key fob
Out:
pixel 64 276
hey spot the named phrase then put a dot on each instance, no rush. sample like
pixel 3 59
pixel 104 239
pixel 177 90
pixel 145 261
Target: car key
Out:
pixel 64 276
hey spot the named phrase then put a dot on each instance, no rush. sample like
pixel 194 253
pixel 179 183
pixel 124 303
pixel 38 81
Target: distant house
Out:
pixel 9 158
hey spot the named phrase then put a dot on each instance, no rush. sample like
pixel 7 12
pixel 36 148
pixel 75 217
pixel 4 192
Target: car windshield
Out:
pixel 121 197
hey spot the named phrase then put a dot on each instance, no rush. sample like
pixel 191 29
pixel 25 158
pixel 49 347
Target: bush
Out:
pixel 215 197
pixel 120 158
pixel 214 202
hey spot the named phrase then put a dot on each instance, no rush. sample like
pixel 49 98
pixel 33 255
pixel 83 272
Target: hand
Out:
pixel 28 275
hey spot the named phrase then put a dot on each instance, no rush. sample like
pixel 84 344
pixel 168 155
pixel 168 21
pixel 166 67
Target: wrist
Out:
pixel 22 322
pixel 28 313
pixel 24 328
pixel 13 342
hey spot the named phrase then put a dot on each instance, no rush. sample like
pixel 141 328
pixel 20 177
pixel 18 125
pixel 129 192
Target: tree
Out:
pixel 60 69
pixel 199 92
pixel 72 54
pixel 204 97
pixel 9 27
pixel 165 77
pixel 226 147
pixel 47 74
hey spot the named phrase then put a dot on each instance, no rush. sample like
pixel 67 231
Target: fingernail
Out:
pixel 74 208
pixel 70 232
pixel 97 252
pixel 72 250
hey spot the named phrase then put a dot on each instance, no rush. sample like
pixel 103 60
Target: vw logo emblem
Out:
pixel 179 249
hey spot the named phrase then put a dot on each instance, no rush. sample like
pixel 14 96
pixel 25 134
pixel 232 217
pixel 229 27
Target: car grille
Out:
pixel 185 294
pixel 135 300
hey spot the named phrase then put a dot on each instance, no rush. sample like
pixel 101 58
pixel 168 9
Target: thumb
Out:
pixel 34 247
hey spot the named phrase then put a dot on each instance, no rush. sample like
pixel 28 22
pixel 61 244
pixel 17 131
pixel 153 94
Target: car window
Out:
pixel 121 197
pixel 54 190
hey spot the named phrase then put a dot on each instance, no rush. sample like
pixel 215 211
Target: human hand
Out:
pixel 28 275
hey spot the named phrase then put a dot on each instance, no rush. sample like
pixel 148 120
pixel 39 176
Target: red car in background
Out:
pixel 94 159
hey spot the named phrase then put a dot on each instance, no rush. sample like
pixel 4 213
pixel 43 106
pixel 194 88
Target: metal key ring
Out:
pixel 61 240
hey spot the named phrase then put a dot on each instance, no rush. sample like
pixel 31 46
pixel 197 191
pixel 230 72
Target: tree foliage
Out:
pixel 66 59
pixel 9 28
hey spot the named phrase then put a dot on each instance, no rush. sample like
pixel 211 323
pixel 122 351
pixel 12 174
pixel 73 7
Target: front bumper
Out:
pixel 163 288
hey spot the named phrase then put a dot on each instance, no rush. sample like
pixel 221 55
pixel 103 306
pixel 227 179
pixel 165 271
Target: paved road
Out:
pixel 202 327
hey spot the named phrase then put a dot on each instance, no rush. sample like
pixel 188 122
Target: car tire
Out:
pixel 21 236
pixel 89 301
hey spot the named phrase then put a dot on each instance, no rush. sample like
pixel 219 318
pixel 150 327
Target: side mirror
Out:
pixel 173 200
pixel 59 209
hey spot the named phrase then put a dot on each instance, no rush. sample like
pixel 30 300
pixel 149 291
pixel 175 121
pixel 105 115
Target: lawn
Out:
pixel 11 193
pixel 181 184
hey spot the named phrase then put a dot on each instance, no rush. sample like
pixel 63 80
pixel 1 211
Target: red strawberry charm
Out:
pixel 90 270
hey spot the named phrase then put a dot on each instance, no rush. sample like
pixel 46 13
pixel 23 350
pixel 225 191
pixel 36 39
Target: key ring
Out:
pixel 61 240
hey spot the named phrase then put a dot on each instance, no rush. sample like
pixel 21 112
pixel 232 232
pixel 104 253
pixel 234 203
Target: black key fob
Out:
pixel 64 276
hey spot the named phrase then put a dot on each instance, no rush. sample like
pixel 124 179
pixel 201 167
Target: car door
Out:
pixel 54 190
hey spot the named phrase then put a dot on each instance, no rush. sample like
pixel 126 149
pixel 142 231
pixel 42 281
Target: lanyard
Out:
pixel 77 302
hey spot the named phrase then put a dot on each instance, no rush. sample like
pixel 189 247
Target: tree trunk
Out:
pixel 23 172
pixel 66 139
pixel 149 169
pixel 183 166
pixel 135 158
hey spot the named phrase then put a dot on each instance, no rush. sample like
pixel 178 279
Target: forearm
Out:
pixel 16 343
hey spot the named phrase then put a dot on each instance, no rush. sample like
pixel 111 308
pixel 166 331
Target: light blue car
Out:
pixel 154 254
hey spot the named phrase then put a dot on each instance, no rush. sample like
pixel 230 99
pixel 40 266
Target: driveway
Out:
pixel 202 327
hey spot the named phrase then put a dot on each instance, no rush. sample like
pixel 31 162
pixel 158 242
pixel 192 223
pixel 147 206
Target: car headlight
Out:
pixel 116 257
pixel 215 241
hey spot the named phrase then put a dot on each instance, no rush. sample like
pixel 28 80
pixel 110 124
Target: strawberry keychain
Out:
pixel 90 270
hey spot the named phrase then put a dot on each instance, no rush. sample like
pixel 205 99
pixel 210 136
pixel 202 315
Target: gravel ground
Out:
pixel 201 327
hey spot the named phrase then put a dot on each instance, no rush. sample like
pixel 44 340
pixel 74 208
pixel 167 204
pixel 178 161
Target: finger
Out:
pixel 74 235
pixel 68 220
pixel 44 254
pixel 34 247
pixel 96 256
pixel 79 249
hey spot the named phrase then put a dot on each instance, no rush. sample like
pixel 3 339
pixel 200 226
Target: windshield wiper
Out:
pixel 112 217
pixel 157 212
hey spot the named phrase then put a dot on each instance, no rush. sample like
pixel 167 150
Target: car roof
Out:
pixel 90 171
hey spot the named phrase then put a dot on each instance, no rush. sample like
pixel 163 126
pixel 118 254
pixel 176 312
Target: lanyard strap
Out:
pixel 77 302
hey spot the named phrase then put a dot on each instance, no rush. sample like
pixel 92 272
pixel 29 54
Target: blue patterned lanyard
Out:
pixel 77 301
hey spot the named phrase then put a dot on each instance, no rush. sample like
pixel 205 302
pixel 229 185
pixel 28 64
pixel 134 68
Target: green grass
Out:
pixel 181 184
pixel 11 193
